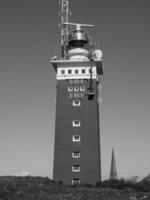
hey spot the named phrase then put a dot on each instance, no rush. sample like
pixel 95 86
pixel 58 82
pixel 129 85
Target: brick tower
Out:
pixel 77 129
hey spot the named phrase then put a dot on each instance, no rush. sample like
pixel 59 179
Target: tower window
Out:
pixel 82 88
pixel 90 71
pixel 81 95
pixel 76 168
pixel 76 81
pixel 70 89
pixel 76 181
pixel 76 88
pixel 83 71
pixel 76 95
pixel 69 71
pixel 76 138
pixel 76 71
pixel 81 81
pixel 71 81
pixel 62 71
pixel 70 95
pixel 76 103
pixel 76 154
pixel 76 123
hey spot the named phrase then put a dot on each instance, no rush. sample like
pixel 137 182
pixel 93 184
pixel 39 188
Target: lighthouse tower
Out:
pixel 77 128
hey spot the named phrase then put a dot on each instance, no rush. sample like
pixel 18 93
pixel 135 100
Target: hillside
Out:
pixel 39 188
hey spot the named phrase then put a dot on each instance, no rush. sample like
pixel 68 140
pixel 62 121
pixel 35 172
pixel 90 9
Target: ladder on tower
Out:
pixel 91 93
pixel 64 15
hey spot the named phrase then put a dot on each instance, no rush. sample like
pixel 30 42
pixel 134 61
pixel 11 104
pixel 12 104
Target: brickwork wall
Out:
pixel 89 146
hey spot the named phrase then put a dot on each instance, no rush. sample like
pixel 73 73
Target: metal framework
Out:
pixel 64 15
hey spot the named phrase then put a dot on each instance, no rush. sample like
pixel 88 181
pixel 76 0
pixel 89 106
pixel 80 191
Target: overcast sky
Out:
pixel 29 37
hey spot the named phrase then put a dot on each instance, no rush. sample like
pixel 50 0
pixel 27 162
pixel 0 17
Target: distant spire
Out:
pixel 113 171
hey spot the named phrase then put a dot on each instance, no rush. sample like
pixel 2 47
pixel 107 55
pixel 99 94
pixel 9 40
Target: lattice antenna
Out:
pixel 64 15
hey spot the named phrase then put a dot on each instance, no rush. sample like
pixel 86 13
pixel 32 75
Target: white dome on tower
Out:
pixel 78 54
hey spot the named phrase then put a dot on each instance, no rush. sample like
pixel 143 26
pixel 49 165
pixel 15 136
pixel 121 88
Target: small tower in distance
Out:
pixel 113 170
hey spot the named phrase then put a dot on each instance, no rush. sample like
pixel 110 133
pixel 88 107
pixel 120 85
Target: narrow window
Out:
pixel 76 168
pixel 76 123
pixel 71 81
pixel 81 81
pixel 76 88
pixel 76 81
pixel 62 71
pixel 76 181
pixel 82 88
pixel 70 89
pixel 76 103
pixel 89 71
pixel 83 71
pixel 76 138
pixel 76 154
pixel 69 71
pixel 76 95
pixel 81 95
pixel 76 71
pixel 70 95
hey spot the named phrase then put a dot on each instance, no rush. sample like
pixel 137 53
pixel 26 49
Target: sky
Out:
pixel 29 37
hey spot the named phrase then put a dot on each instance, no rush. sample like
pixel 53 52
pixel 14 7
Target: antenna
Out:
pixel 78 25
pixel 64 15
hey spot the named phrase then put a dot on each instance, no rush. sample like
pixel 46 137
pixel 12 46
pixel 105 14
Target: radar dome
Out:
pixel 97 54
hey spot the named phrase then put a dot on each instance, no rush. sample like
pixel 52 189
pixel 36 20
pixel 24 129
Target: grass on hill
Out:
pixel 42 188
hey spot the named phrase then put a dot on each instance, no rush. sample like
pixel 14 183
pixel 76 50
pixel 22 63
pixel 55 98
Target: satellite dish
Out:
pixel 97 54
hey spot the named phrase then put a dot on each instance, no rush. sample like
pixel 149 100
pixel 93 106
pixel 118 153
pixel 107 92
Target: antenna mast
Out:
pixel 64 15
